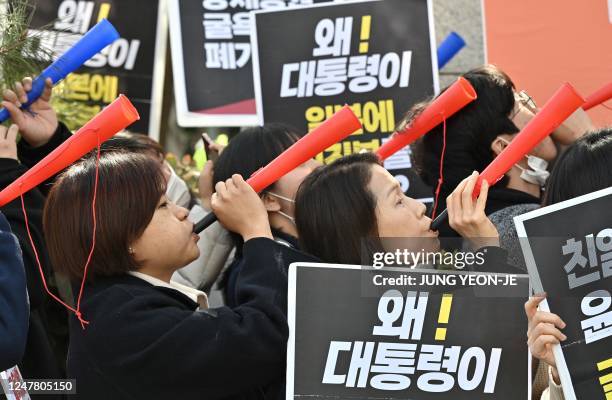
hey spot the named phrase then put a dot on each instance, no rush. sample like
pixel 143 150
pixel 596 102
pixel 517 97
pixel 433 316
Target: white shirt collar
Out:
pixel 196 295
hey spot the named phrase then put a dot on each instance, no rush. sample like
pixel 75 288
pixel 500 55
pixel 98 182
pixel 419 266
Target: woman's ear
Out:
pixel 498 145
pixel 133 250
pixel 271 203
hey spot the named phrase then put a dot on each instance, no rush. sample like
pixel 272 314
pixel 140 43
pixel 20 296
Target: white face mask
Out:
pixel 177 190
pixel 536 173
pixel 290 218
pixel 282 197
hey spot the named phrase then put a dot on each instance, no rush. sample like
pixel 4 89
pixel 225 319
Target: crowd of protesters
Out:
pixel 147 329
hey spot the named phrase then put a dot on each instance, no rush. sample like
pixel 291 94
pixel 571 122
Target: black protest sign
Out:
pixel 211 55
pixel 568 252
pixel 129 65
pixel 379 57
pixel 405 334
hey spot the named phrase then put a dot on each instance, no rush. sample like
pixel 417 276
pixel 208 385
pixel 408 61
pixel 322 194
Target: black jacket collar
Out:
pixel 133 285
pixel 285 238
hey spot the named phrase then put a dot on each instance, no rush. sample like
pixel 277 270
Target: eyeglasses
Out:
pixel 526 101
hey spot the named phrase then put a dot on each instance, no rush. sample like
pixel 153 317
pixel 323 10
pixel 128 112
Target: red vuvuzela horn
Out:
pixel 337 127
pixel 556 110
pixel 601 95
pixel 112 119
pixel 453 99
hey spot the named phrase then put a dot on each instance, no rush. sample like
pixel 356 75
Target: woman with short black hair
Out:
pixel 143 335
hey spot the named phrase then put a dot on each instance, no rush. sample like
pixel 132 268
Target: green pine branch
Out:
pixel 22 54
pixel 21 51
